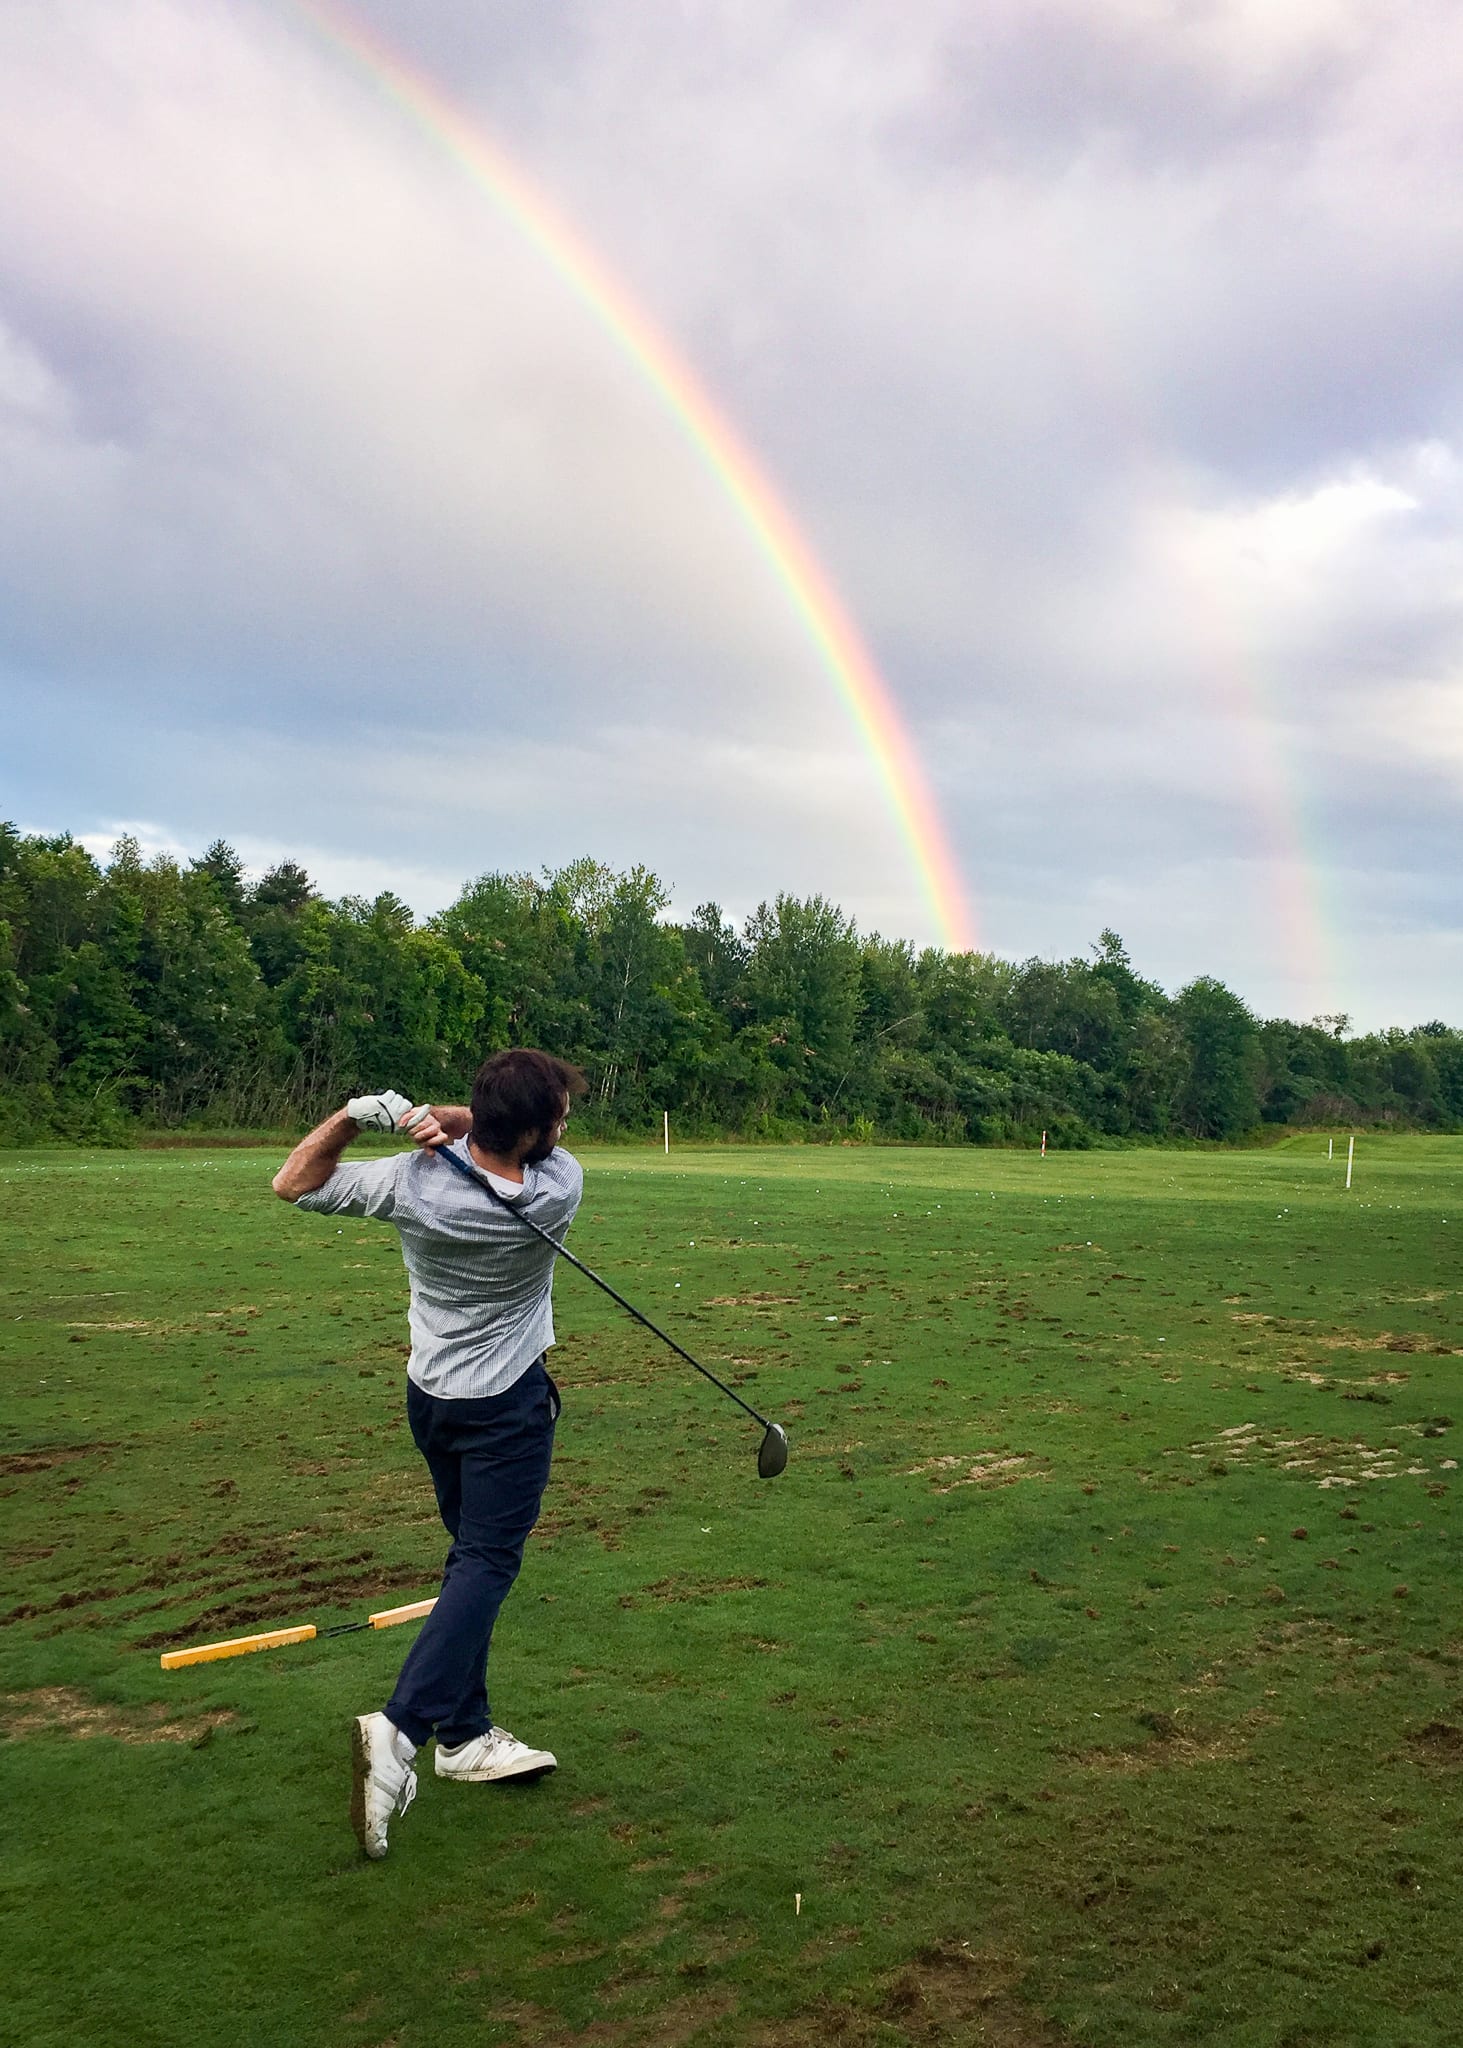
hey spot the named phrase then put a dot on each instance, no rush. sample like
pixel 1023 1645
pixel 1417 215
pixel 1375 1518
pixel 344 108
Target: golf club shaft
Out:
pixel 589 1274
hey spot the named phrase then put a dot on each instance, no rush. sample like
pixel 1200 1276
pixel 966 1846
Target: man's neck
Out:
pixel 496 1162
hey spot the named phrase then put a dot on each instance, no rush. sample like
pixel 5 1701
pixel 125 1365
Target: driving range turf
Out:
pixel 1094 1673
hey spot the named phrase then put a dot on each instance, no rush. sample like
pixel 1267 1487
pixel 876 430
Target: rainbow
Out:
pixel 1304 950
pixel 842 654
pixel 1287 883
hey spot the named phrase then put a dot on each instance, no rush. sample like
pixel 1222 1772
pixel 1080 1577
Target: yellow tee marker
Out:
pixel 239 1646
pixel 281 1638
pixel 390 1616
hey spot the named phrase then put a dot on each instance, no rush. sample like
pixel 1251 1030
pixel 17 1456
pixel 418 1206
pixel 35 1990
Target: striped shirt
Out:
pixel 481 1284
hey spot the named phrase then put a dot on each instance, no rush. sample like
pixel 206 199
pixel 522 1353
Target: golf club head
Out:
pixel 772 1457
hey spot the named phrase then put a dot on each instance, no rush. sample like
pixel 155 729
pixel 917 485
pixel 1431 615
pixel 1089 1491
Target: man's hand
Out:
pixel 423 1128
pixel 382 1112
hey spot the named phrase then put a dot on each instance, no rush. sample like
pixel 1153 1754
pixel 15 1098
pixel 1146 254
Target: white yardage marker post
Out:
pixel 1043 1144
pixel 1350 1155
pixel 667 1134
pixel 1330 1147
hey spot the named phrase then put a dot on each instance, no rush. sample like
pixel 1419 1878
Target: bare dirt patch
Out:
pixel 1439 1742
pixel 700 1589
pixel 1310 1632
pixel 63 1710
pixel 673 2026
pixel 751 1301
pixel 1328 1461
pixel 85 1596
pixel 946 1992
pixel 1347 1340
pixel 949 1993
pixel 1385 1340
pixel 49 1455
pixel 984 1468
pixel 566 1958
pixel 1174 1744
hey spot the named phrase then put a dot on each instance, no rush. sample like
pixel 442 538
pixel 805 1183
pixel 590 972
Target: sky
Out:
pixel 1104 352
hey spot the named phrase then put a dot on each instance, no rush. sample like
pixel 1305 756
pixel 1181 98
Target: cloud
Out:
pixel 1108 355
pixel 333 872
pixel 313 412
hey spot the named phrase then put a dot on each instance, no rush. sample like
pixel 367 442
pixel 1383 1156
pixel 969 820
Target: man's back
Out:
pixel 481 1300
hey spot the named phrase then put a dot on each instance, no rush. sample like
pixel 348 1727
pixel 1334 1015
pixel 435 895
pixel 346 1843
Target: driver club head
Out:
pixel 772 1457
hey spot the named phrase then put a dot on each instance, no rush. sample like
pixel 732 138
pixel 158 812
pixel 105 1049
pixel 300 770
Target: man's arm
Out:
pixel 315 1158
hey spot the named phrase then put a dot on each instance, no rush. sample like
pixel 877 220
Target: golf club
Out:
pixel 772 1454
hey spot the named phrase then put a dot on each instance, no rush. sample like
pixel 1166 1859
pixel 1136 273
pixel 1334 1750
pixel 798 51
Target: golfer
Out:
pixel 479 1399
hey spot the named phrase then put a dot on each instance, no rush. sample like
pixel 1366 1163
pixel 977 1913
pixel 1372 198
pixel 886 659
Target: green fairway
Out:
pixel 1094 1674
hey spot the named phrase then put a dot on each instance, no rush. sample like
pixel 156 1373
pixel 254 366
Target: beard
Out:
pixel 538 1151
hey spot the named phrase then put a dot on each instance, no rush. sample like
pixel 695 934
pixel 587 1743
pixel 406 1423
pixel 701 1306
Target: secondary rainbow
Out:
pixel 1286 890
pixel 844 658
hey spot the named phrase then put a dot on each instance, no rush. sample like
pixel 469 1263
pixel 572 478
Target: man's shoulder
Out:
pixel 420 1170
pixel 557 1180
pixel 563 1171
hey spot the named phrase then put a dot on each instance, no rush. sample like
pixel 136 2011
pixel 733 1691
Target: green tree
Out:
pixel 518 943
pixel 220 865
pixel 718 954
pixel 1220 1093
pixel 964 998
pixel 1446 1050
pixel 192 991
pixel 1154 1070
pixel 417 1010
pixel 803 992
pixel 272 914
pixel 1066 1006
pixel 182 992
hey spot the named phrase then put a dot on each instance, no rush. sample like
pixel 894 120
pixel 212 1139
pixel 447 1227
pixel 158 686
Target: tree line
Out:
pixel 162 994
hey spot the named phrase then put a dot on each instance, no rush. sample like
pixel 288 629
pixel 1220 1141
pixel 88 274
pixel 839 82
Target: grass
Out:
pixel 1094 1673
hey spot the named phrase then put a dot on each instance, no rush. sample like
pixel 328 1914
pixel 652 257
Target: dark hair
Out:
pixel 517 1093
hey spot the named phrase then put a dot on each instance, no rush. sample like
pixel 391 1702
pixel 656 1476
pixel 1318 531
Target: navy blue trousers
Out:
pixel 489 1459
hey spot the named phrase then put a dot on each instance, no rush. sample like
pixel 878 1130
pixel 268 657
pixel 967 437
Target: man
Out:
pixel 480 1402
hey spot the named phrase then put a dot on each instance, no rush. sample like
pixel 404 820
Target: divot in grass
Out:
pixel 986 1468
pixel 66 1710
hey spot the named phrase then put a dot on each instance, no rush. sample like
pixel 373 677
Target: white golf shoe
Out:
pixel 494 1755
pixel 383 1782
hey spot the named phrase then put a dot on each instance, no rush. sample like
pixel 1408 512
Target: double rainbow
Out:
pixel 844 658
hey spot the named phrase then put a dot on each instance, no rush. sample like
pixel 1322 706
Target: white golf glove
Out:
pixel 383 1112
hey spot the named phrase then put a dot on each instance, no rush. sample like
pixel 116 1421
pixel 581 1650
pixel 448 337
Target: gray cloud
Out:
pixel 1109 355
